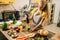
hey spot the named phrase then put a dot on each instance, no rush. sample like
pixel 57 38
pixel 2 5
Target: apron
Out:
pixel 36 18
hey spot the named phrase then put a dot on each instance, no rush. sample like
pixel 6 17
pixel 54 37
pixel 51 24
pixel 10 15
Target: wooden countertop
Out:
pixel 21 33
pixel 7 36
pixel 53 28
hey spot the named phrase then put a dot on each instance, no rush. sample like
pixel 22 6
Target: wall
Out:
pixel 17 5
pixel 20 3
pixel 57 9
pixel 59 16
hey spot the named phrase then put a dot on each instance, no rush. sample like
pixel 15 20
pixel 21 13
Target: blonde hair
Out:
pixel 43 5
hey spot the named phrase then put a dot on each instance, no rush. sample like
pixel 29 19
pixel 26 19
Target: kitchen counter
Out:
pixel 53 28
pixel 10 38
pixel 7 36
pixel 22 33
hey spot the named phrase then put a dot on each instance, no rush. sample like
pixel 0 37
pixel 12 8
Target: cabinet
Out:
pixel 6 1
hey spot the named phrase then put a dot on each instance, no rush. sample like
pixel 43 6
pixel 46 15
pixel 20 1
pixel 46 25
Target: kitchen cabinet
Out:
pixel 6 1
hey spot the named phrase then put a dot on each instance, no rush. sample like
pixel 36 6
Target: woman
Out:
pixel 42 11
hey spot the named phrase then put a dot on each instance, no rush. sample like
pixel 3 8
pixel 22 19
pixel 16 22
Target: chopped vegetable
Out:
pixel 4 26
pixel 40 38
pixel 27 27
pixel 31 35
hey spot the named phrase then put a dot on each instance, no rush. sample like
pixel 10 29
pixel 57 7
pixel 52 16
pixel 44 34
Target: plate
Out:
pixel 1 23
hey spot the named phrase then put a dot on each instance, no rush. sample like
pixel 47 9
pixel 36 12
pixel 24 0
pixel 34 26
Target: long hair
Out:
pixel 44 6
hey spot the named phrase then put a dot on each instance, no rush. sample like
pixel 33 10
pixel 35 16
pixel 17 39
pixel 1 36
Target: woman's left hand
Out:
pixel 32 29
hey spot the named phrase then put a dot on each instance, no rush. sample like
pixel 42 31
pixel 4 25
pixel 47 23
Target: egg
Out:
pixel 41 32
pixel 12 36
pixel 45 33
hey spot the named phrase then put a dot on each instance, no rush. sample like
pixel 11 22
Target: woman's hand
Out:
pixel 30 17
pixel 32 29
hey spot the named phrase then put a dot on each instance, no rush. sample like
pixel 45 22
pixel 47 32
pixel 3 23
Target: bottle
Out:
pixel 26 15
pixel 14 21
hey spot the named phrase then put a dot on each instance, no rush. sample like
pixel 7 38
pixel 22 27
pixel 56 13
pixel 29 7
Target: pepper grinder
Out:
pixel 26 15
